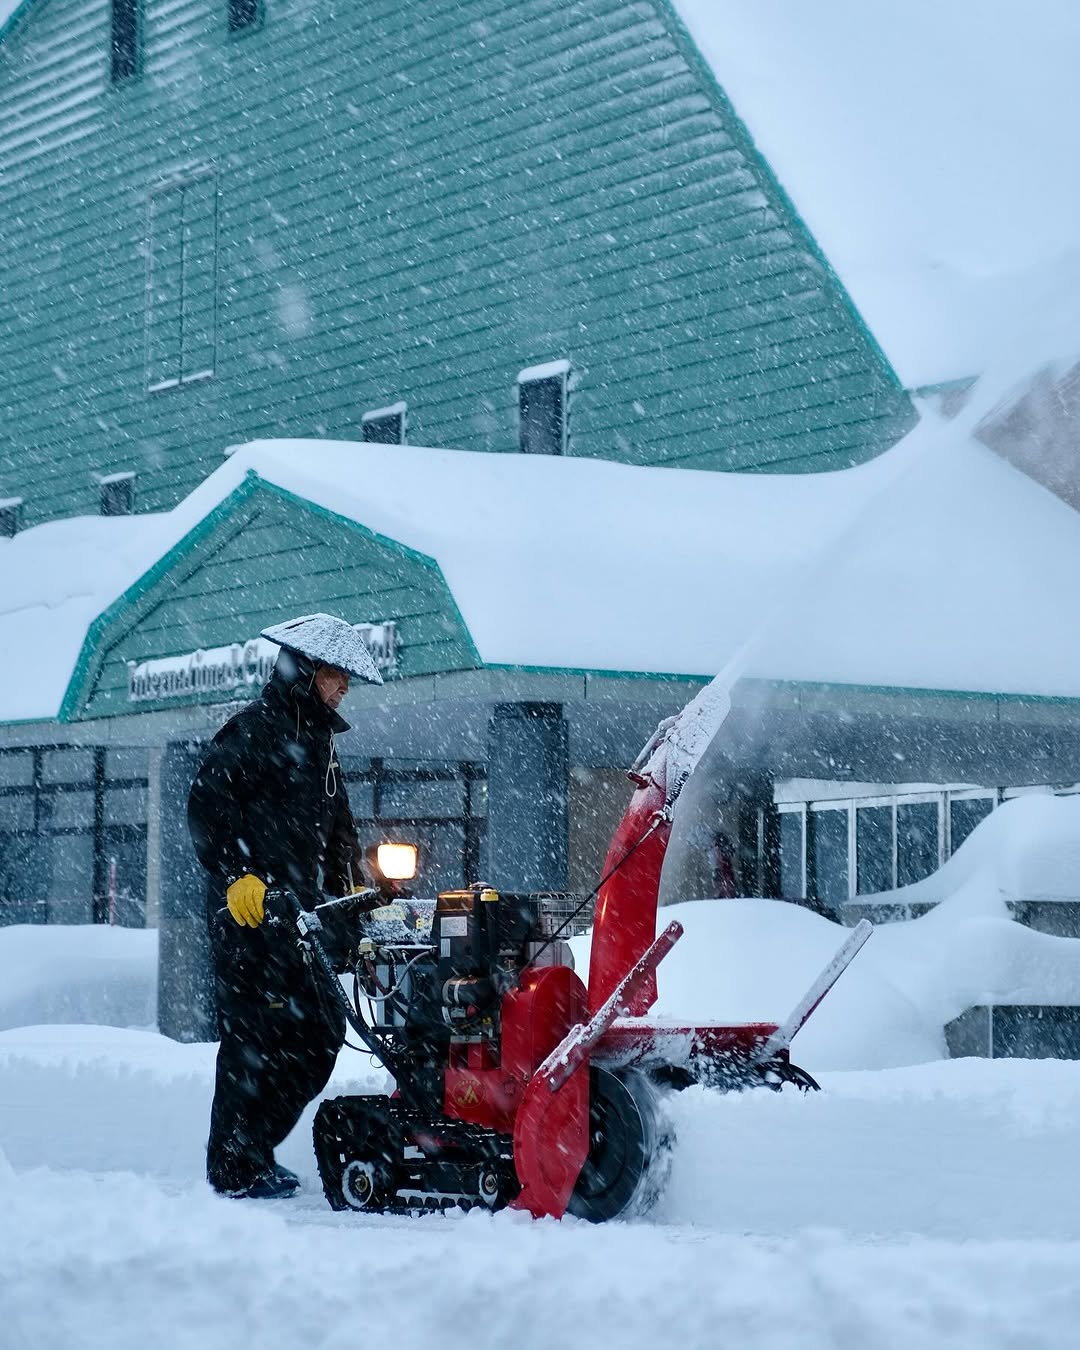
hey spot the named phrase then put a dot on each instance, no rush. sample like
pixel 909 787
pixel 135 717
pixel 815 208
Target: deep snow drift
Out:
pixel 89 973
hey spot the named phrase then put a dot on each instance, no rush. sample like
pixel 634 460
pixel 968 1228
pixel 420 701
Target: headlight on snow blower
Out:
pixel 390 866
pixel 396 862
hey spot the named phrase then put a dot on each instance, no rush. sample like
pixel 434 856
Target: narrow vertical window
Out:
pixel 126 39
pixel 918 851
pixel 385 425
pixel 117 494
pixel 829 854
pixel 542 409
pixel 793 853
pixel 244 14
pixel 181 283
pixel 874 849
pixel 9 517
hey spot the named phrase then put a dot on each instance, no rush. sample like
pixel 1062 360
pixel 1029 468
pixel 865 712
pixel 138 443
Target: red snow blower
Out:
pixel 517 1084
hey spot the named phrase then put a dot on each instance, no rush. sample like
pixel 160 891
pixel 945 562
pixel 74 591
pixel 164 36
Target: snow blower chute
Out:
pixel 515 1084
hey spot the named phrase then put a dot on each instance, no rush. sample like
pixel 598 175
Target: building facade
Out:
pixel 535 227
pixel 496 226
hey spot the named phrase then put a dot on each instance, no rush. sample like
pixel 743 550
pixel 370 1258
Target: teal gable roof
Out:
pixel 260 554
pixel 10 14
pixel 382 202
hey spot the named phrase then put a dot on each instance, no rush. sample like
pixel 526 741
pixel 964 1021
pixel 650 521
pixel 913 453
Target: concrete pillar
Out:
pixel 528 769
pixel 186 1009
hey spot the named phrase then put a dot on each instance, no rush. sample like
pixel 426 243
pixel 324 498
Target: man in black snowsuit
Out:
pixel 268 809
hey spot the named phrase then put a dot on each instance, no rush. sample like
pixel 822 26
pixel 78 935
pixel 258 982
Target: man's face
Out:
pixel 331 684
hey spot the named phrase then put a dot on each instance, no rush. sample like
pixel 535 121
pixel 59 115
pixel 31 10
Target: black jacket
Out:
pixel 269 797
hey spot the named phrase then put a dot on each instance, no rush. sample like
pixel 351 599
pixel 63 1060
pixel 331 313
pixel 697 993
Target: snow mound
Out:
pixel 88 973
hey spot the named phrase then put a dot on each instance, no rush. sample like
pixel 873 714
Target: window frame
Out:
pixel 379 416
pixel 181 181
pixel 41 788
pixel 10 516
pixel 237 29
pixel 134 9
pixel 555 373
pixel 113 485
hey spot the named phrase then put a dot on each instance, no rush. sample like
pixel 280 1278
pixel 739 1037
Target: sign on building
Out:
pixel 241 668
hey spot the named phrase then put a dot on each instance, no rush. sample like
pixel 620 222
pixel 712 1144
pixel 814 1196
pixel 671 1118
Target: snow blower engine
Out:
pixel 515 1084
pixel 464 997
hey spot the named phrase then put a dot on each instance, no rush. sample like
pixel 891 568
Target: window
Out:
pixel 16 811
pixel 117 494
pixel 829 849
pixel 964 814
pixel 542 409
pixel 71 862
pixel 125 762
pixel 9 517
pixel 792 854
pixel 126 39
pixel 244 14
pixel 422 797
pixel 385 425
pixel 433 803
pixel 873 849
pixel 917 851
pixel 72 810
pixel 181 283
pixel 68 766
pixel 72 840
pixel 16 768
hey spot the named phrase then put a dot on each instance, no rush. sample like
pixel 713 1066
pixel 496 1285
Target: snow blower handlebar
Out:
pixel 310 926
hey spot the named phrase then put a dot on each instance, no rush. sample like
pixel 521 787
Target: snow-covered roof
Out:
pixel 8 9
pixel 935 566
pixel 54 581
pixel 931 150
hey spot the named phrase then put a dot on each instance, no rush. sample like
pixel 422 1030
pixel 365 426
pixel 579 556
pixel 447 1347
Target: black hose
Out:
pixel 328 985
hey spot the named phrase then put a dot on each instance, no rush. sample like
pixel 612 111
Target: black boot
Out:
pixel 285 1175
pixel 272 1185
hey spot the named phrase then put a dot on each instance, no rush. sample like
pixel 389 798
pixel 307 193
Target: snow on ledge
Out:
pixel 394 410
pixel 548 371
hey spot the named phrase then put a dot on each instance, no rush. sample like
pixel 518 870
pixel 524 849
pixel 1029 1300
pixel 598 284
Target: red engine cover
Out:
pixel 485 1086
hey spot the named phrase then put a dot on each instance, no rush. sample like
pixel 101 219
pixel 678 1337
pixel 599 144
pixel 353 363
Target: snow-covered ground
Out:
pixel 914 1202
pixel 936 1205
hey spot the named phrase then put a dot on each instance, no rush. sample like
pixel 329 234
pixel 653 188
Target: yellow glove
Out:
pixel 245 900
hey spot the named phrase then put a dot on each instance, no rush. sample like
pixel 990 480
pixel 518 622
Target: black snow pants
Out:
pixel 279 1042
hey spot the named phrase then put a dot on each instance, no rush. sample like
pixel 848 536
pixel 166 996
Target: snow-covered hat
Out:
pixel 328 642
